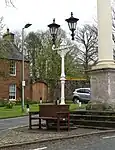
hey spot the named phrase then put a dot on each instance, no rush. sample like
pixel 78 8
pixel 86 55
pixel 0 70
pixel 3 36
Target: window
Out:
pixel 12 68
pixel 12 92
pixel 86 91
pixel 83 90
pixel 80 91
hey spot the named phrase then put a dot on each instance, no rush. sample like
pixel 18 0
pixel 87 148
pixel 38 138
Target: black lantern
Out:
pixel 72 23
pixel 53 30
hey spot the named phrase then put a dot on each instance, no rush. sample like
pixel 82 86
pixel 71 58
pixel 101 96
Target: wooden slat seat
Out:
pixel 49 118
pixel 61 118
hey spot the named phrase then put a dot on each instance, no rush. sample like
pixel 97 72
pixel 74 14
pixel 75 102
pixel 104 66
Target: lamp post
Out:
pixel 23 81
pixel 63 49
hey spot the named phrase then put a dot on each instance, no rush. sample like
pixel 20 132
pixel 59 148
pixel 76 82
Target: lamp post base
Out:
pixel 62 102
pixel 62 90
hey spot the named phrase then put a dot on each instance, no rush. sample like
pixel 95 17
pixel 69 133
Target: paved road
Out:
pixel 104 142
pixel 91 143
pixel 12 122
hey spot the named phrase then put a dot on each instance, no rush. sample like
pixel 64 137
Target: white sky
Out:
pixel 41 13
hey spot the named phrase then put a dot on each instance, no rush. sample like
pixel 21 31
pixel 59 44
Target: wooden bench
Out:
pixel 60 121
pixel 52 114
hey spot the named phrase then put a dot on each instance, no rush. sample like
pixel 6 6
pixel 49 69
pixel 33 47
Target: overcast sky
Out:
pixel 41 13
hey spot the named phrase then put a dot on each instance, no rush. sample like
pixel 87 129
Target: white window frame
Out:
pixel 13 90
pixel 13 66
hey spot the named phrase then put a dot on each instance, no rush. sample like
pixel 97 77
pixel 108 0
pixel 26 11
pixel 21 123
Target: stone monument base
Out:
pixel 102 89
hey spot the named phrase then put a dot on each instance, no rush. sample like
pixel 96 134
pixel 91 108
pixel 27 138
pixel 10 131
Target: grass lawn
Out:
pixel 76 106
pixel 16 110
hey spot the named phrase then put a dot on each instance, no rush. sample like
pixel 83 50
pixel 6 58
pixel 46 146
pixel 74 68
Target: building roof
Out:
pixel 13 52
pixel 10 50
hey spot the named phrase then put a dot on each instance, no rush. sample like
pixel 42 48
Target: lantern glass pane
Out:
pixel 56 30
pixel 53 31
pixel 75 23
pixel 69 24
pixel 72 25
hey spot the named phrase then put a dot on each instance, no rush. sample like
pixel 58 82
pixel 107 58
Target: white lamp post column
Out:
pixel 62 51
pixel 62 54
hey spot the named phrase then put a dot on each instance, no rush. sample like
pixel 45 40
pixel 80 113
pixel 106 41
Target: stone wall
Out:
pixel 70 86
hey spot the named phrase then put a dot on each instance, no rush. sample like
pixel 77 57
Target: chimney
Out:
pixel 8 36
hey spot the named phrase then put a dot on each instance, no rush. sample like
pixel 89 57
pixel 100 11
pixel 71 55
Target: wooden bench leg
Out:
pixel 68 122
pixel 39 123
pixel 68 126
pixel 47 124
pixel 30 122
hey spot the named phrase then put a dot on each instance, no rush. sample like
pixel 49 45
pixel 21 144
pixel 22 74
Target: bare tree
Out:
pixel 113 30
pixel 9 3
pixel 86 39
pixel 2 45
pixel 2 25
pixel 17 39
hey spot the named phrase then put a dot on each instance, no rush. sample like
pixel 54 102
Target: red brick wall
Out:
pixel 6 79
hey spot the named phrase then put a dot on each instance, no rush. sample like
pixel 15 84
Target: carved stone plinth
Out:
pixel 103 87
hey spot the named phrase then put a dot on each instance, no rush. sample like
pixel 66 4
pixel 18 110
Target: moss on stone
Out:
pixel 100 106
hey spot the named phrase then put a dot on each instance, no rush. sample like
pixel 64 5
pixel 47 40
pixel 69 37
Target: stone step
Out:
pixel 94 127
pixel 92 112
pixel 92 117
pixel 96 123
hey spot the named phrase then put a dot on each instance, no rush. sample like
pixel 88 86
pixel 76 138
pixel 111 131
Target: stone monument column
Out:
pixel 104 17
pixel 103 74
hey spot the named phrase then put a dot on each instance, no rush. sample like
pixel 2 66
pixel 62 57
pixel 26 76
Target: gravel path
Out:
pixel 93 142
pixel 22 134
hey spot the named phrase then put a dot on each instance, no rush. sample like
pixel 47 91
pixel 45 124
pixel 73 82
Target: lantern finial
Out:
pixel 54 20
pixel 71 14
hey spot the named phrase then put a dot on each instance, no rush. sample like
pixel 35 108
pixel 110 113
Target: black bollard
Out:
pixel 57 101
pixel 40 100
pixel 27 108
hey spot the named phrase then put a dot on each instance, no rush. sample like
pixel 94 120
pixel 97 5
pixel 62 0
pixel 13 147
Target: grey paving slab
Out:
pixel 13 122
